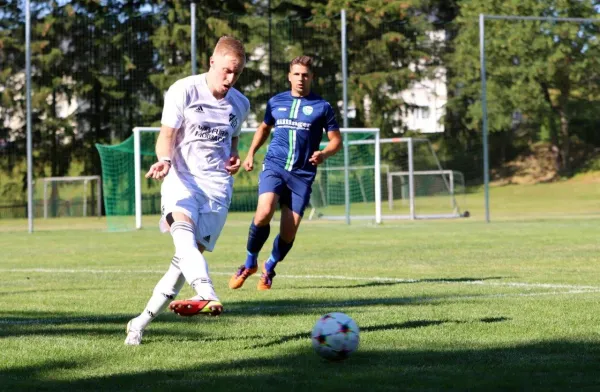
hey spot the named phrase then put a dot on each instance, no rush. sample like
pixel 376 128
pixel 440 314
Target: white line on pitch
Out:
pixel 331 277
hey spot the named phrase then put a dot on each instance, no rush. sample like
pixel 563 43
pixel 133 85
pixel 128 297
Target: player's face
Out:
pixel 224 72
pixel 300 78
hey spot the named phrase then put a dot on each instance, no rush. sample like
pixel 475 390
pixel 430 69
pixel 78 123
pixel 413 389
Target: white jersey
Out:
pixel 205 126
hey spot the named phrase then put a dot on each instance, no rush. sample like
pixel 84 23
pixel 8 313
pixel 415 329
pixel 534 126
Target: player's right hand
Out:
pixel 249 163
pixel 159 170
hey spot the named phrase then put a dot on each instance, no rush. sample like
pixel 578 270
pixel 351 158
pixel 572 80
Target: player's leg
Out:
pixel 164 292
pixel 289 223
pixel 209 225
pixel 292 210
pixel 270 185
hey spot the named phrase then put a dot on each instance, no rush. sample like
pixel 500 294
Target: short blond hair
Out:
pixel 230 45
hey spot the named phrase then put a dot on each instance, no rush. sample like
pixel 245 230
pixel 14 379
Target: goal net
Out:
pixel 416 186
pixel 69 196
pixel 129 197
pixel 413 183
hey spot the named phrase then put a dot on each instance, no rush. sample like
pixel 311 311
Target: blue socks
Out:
pixel 280 250
pixel 257 236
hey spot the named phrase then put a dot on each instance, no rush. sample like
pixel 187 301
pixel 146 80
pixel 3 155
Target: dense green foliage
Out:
pixel 113 60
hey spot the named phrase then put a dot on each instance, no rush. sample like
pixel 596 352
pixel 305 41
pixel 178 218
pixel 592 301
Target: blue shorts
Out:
pixel 293 191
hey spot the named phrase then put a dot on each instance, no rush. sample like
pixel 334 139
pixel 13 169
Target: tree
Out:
pixel 535 69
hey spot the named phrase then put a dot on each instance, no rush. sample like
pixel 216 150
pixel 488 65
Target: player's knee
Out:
pixel 184 238
pixel 263 215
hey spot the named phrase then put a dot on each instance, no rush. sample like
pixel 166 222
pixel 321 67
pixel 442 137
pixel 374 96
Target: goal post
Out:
pixel 372 133
pixel 85 180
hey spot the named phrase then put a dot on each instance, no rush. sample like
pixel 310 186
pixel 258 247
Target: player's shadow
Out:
pixel 250 308
pixel 382 283
pixel 549 365
pixel 383 327
pixel 25 323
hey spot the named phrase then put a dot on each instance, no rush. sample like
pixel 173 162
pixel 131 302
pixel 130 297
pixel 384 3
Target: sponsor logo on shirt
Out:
pixel 212 134
pixel 199 109
pixel 292 123
pixel 282 109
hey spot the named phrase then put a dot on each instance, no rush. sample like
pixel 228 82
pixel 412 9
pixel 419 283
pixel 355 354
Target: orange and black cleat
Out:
pixel 238 279
pixel 266 279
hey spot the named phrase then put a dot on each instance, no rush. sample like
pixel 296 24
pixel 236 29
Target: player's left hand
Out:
pixel 317 158
pixel 233 164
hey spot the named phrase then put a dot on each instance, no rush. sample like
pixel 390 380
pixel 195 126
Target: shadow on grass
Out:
pixel 398 282
pixel 383 327
pixel 547 366
pixel 27 323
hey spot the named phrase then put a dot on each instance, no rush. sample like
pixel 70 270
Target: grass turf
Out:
pixel 442 305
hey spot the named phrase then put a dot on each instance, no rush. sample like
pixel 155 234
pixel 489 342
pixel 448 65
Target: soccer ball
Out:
pixel 335 336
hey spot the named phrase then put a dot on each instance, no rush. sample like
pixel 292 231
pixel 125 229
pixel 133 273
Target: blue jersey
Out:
pixel 299 123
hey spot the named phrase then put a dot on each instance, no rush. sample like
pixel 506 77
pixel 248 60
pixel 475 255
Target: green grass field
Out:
pixel 442 305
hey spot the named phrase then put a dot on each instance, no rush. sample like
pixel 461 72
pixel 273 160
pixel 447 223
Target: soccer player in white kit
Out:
pixel 197 156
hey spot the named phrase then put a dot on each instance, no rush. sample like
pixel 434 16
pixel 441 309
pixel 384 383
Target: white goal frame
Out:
pixel 411 173
pixel 86 180
pixel 411 196
pixel 345 132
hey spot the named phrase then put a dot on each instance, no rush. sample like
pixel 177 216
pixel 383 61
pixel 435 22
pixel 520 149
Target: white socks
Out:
pixel 165 291
pixel 191 262
pixel 187 265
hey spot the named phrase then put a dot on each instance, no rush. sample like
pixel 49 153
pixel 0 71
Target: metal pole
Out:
pixel 270 54
pixel 98 197
pixel 29 137
pixel 344 72
pixel 137 164
pixel 486 163
pixel 346 177
pixel 45 199
pixel 390 183
pixel 377 179
pixel 193 33
pixel 85 188
pixel 345 118
pixel 411 180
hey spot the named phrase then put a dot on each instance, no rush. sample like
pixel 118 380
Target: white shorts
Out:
pixel 208 216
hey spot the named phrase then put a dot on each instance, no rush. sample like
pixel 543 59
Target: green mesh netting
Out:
pixel 328 192
pixel 118 181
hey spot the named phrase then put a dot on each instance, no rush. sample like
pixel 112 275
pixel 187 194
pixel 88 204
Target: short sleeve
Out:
pixel 269 119
pixel 330 122
pixel 172 115
pixel 244 111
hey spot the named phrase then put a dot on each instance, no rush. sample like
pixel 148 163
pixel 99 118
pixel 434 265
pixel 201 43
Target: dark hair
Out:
pixel 307 61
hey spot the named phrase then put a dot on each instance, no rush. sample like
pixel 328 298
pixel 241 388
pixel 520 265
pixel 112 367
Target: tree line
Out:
pixel 115 59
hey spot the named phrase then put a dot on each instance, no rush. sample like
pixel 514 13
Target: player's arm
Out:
pixel 234 157
pixel 260 137
pixel 334 145
pixel 164 152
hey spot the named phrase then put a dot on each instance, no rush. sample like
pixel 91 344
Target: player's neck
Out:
pixel 298 95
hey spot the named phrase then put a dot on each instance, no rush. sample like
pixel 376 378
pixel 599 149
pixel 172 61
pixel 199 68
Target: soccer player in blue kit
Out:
pixel 299 117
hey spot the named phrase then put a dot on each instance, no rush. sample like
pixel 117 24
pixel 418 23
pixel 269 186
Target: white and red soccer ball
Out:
pixel 335 336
